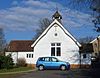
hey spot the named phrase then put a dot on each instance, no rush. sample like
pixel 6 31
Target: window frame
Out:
pixel 30 55
pixel 57 49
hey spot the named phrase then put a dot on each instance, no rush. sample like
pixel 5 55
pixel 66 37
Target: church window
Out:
pixel 52 51
pixel 58 44
pixel 32 55
pixel 29 55
pixel 52 44
pixel 55 49
pixel 55 34
pixel 58 51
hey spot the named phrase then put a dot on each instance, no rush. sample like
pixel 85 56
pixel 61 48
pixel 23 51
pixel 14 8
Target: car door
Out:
pixel 47 62
pixel 55 63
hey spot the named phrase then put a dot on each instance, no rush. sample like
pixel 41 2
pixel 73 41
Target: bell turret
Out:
pixel 57 16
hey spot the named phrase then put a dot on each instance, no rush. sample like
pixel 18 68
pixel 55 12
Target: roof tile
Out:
pixel 20 45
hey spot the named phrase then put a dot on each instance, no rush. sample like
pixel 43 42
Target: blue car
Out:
pixel 51 63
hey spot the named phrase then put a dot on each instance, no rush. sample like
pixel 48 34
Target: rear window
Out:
pixel 41 59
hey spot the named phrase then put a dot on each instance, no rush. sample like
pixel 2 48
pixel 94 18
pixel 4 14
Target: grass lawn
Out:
pixel 15 69
pixel 11 73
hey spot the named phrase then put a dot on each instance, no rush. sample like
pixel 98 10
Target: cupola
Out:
pixel 57 16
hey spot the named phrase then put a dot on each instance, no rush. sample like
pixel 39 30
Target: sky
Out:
pixel 20 18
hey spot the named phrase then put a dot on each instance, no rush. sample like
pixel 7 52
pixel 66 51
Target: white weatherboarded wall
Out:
pixel 18 55
pixel 86 60
pixel 69 46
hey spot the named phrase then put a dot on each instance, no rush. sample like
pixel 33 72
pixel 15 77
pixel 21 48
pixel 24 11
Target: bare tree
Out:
pixel 2 41
pixel 94 6
pixel 91 4
pixel 43 24
pixel 86 40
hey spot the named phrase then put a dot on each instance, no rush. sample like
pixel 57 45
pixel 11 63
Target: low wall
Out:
pixel 31 65
pixel 80 66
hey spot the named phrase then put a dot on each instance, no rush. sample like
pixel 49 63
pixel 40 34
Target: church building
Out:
pixel 55 41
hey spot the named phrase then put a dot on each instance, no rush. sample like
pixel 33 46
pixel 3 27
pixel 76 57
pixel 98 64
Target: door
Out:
pixel 55 63
pixel 47 63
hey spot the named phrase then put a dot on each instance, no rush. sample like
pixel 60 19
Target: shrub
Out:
pixel 21 62
pixel 6 62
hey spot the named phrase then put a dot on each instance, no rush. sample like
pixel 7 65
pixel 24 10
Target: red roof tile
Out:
pixel 20 46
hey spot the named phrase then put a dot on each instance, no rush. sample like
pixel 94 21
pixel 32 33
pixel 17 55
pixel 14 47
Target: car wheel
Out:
pixel 63 67
pixel 41 67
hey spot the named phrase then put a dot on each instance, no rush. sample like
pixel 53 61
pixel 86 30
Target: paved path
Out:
pixel 53 74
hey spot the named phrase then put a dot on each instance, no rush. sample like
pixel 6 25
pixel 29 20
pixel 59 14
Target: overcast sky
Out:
pixel 20 18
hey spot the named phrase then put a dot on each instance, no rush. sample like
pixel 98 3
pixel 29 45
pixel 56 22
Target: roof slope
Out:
pixel 95 39
pixel 20 45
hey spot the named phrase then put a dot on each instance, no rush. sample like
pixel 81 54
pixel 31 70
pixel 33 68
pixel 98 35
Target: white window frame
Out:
pixel 56 46
pixel 30 55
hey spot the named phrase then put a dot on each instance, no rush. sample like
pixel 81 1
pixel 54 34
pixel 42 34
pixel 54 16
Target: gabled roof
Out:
pixel 64 30
pixel 95 39
pixel 20 46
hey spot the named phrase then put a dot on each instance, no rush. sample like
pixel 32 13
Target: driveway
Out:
pixel 74 73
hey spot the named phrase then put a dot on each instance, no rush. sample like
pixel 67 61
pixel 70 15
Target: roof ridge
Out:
pixel 21 40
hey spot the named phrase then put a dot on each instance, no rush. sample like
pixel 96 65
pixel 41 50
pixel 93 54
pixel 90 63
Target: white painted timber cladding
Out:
pixel 69 50
pixel 13 55
pixel 86 60
pixel 17 55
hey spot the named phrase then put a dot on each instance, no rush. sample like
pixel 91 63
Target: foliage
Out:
pixel 43 24
pixel 21 62
pixel 6 62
